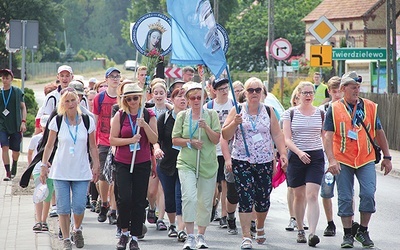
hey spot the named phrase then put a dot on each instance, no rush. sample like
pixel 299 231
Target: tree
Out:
pixel 47 12
pixel 248 31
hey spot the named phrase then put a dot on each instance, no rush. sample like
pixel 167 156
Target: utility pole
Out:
pixel 216 10
pixel 271 38
pixel 391 62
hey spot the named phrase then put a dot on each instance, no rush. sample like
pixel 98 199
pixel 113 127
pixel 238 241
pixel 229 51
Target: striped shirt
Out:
pixel 306 130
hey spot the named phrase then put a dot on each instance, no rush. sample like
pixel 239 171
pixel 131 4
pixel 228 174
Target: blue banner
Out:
pixel 195 36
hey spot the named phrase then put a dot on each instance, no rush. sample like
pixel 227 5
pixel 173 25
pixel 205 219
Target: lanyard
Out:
pixel 253 122
pixel 4 98
pixel 134 128
pixel 352 112
pixel 76 129
pixel 191 133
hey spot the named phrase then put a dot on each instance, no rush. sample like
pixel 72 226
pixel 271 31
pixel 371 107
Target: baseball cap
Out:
pixel 219 82
pixel 64 68
pixel 350 77
pixel 78 86
pixel 93 80
pixel 110 70
pixel 7 72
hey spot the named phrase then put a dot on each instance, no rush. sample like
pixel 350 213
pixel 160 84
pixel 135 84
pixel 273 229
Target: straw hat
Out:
pixel 132 89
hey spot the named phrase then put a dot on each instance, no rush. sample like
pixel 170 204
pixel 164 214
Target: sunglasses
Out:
pixel 192 98
pixel 129 99
pixel 252 90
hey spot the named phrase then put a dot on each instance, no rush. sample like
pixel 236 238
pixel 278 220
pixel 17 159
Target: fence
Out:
pixel 50 69
pixel 388 110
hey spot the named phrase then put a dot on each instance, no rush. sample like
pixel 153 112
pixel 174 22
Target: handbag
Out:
pixel 377 149
pixel 109 166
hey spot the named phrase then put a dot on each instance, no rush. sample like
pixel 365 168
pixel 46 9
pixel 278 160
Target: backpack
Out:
pixel 102 95
pixel 24 182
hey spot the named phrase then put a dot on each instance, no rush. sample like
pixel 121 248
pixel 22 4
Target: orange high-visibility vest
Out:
pixel 354 153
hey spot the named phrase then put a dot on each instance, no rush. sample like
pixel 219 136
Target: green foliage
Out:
pixel 287 90
pixel 32 109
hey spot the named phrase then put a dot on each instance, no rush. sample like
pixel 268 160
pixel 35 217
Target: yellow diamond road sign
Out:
pixel 322 29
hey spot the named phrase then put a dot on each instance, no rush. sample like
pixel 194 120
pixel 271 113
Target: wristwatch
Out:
pixel 387 158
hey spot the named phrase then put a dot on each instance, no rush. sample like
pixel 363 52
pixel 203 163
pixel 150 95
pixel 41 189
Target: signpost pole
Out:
pixel 23 55
pixel 282 85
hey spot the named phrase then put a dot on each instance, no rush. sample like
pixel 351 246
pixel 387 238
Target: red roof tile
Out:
pixel 342 9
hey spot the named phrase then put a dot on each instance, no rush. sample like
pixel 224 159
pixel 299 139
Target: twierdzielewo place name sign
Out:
pixel 359 53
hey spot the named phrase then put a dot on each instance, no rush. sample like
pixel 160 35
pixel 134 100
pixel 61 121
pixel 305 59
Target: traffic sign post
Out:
pixel 321 56
pixel 322 29
pixel 281 49
pixel 295 64
pixel 173 72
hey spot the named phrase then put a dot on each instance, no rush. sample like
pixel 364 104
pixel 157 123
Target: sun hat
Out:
pixel 41 191
pixel 189 86
pixel 132 88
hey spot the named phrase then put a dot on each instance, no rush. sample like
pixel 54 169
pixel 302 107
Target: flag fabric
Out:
pixel 194 35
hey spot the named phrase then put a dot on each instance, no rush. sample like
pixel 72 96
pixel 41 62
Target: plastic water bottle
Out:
pixel 329 178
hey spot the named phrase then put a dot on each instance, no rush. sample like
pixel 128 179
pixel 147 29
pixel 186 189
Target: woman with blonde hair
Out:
pixel 70 169
pixel 124 135
pixel 302 127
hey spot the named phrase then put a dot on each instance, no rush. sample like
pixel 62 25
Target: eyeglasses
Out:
pixel 192 98
pixel 252 90
pixel 129 99
pixel 306 93
pixel 115 77
pixel 223 89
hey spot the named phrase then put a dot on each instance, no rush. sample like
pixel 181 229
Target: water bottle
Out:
pixel 328 178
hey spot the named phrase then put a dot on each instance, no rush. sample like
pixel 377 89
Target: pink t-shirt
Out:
pixel 123 153
pixel 103 118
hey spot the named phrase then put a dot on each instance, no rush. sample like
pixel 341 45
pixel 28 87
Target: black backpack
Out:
pixel 25 178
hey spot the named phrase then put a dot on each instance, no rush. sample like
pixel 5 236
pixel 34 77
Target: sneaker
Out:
pixel 112 218
pixel 348 241
pixel 161 226
pixel 182 236
pixel 151 216
pixel 53 212
pixel 133 245
pixel 214 210
pixel 78 238
pixel 201 242
pixel 67 244
pixel 123 240
pixel 8 176
pixel 354 228
pixel 363 238
pixel 118 233
pixel 144 231
pixel 232 229
pixel 253 230
pixel 223 223
pixel 103 214
pixel 172 231
pixel 216 216
pixel 313 240
pixel 305 226
pixel 98 207
pixel 330 230
pixel 190 242
pixel 301 237
pixel 13 171
pixel 292 224
pixel 88 204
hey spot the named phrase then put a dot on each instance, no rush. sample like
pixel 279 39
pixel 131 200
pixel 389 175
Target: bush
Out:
pixel 32 109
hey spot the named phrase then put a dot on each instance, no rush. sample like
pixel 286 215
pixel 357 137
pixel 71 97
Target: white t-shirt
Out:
pixel 223 111
pixel 51 101
pixel 33 146
pixel 71 166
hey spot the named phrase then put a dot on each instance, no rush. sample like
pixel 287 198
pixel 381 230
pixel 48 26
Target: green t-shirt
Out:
pixel 208 156
pixel 12 122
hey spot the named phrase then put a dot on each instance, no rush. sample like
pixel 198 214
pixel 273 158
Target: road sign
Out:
pixel 322 29
pixel 321 56
pixel 281 49
pixel 173 72
pixel 31 34
pixel 285 68
pixel 359 53
pixel 295 64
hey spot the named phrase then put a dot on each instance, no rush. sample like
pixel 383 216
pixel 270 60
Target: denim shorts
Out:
pixel 66 201
pixel 13 141
pixel 366 176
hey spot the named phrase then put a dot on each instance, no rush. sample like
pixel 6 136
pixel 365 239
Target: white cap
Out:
pixel 64 68
pixel 93 80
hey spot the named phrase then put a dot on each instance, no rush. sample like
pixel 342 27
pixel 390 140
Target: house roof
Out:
pixel 343 9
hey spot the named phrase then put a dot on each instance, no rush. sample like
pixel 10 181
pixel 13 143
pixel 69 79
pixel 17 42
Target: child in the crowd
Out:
pixel 41 208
